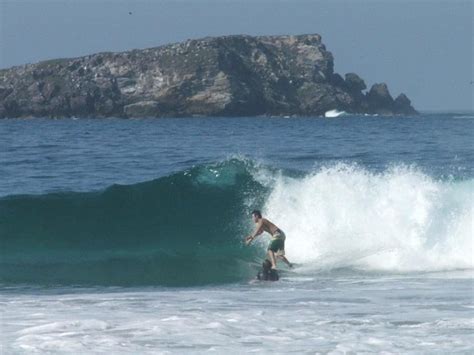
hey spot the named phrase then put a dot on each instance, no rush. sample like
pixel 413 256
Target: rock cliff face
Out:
pixel 221 76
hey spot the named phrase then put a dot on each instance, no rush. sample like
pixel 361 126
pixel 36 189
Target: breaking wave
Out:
pixel 187 228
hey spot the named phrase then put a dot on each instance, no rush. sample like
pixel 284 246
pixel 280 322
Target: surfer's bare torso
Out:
pixel 264 225
pixel 277 244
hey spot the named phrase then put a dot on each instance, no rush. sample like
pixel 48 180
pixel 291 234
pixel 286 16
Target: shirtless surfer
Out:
pixel 276 249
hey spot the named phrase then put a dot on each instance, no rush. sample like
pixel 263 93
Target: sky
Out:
pixel 423 48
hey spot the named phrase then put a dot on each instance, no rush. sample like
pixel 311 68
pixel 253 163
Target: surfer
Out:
pixel 276 249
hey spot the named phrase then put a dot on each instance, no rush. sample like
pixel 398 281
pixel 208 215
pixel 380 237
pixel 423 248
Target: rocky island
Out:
pixel 216 76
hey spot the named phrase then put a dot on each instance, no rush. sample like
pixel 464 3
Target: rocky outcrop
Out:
pixel 221 76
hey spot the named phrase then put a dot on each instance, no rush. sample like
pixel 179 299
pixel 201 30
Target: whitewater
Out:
pixel 397 220
pixel 125 236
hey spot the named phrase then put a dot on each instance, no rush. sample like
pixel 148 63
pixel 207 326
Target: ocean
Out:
pixel 125 236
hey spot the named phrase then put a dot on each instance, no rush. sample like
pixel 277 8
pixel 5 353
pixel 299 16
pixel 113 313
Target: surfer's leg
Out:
pixel 282 257
pixel 271 255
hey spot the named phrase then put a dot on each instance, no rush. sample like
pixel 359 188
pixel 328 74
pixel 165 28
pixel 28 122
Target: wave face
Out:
pixel 183 229
pixel 186 229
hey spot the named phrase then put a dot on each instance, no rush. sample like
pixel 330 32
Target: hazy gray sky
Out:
pixel 421 47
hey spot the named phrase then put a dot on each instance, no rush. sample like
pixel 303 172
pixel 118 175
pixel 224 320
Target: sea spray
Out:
pixel 397 220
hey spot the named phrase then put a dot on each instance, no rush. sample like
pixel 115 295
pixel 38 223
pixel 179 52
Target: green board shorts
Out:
pixel 277 244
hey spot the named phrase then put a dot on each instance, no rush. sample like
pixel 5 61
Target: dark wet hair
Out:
pixel 266 265
pixel 257 213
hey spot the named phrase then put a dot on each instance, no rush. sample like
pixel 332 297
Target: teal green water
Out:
pixel 183 229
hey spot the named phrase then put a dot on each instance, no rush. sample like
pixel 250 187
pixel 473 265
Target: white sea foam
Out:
pixel 334 113
pixel 331 314
pixel 399 220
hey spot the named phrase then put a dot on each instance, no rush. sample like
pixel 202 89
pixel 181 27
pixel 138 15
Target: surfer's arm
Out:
pixel 258 231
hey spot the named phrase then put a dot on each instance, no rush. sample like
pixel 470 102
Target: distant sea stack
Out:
pixel 218 76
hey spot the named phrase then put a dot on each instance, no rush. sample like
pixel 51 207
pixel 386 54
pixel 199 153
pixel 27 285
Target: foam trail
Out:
pixel 399 220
